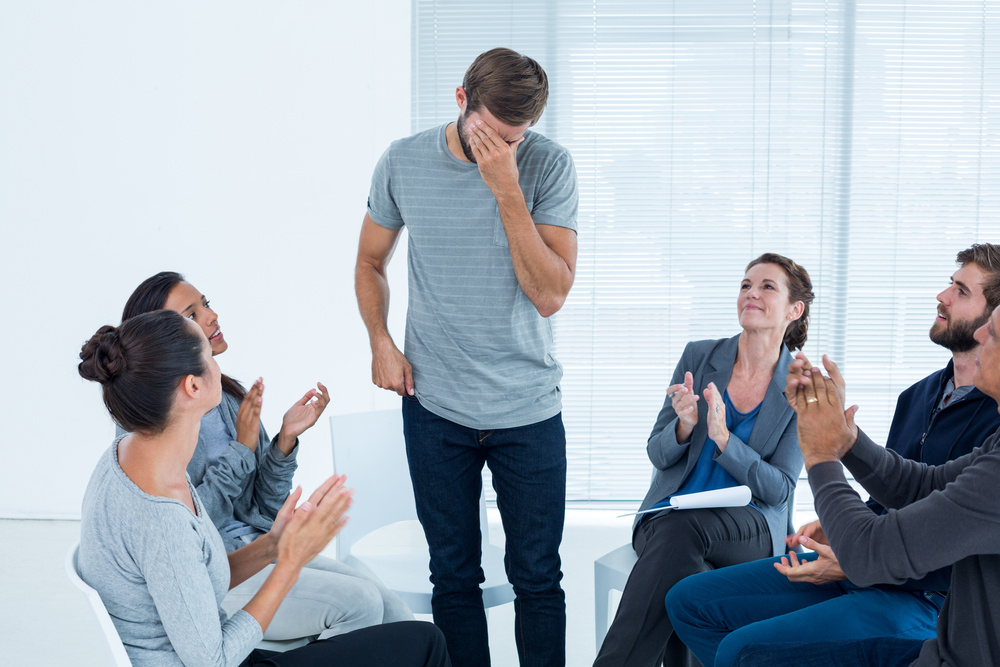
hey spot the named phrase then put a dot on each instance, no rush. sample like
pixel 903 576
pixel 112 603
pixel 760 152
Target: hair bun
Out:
pixel 102 357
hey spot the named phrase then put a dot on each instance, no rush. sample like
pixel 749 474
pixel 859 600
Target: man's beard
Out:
pixel 957 336
pixel 466 148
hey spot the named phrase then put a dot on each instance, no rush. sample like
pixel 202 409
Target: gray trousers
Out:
pixel 329 599
pixel 672 545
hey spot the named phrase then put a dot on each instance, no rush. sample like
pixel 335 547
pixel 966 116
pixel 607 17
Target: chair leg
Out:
pixel 601 596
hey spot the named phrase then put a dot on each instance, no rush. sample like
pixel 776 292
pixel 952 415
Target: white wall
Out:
pixel 230 141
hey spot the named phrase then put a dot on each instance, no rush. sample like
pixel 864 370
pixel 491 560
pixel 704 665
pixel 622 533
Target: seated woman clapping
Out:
pixel 725 423
pixel 243 477
pixel 148 546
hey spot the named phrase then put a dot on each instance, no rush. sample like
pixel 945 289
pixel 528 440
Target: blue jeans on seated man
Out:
pixel 873 652
pixel 528 464
pixel 720 613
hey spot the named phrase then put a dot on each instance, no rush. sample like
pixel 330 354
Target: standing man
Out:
pixel 491 213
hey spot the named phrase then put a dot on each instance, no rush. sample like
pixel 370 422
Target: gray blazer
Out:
pixel 769 463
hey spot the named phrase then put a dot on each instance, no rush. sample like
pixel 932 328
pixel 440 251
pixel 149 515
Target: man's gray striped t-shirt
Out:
pixel 481 353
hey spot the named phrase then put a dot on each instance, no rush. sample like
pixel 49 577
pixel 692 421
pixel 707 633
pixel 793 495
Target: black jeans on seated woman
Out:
pixel 672 545
pixel 404 644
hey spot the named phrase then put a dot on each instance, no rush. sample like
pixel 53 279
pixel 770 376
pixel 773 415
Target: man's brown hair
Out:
pixel 513 87
pixel 987 257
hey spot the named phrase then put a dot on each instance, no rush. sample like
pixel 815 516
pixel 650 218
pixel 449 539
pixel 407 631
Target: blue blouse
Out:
pixel 707 475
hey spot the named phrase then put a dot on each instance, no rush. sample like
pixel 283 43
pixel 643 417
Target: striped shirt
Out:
pixel 481 353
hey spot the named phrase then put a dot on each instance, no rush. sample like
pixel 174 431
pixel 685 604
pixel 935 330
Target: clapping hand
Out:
pixel 312 525
pixel 248 416
pixel 800 368
pixel 826 431
pixel 685 404
pixel 302 415
pixel 717 430
pixel 284 515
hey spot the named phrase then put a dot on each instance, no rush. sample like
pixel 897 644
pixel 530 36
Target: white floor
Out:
pixel 45 621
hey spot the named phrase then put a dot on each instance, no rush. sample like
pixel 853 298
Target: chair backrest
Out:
pixel 100 611
pixel 368 447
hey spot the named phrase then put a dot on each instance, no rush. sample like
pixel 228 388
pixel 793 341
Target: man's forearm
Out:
pixel 544 276
pixel 372 291
pixel 892 480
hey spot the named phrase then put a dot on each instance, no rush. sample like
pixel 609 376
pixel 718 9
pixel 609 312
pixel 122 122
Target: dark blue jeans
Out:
pixel 750 614
pixel 873 652
pixel 528 464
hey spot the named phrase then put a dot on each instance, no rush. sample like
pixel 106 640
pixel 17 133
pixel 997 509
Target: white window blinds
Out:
pixel 855 138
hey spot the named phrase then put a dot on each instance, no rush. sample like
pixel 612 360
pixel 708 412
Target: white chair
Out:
pixel 612 569
pixel 283 645
pixel 368 447
pixel 610 573
pixel 118 653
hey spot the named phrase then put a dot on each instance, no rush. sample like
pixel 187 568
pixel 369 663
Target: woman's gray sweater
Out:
pixel 162 572
pixel 938 516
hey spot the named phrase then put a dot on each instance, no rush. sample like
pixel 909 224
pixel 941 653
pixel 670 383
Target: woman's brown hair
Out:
pixel 799 289
pixel 152 294
pixel 140 365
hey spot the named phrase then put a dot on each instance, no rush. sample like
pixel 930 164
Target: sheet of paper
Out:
pixel 736 496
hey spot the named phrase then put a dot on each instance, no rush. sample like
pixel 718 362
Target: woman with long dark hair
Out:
pixel 243 478
pixel 149 547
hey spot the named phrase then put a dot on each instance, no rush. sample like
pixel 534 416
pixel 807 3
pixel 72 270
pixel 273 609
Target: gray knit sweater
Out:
pixel 938 515
pixel 162 572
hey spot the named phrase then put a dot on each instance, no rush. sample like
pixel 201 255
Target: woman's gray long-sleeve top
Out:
pixel 938 516
pixel 769 463
pixel 162 572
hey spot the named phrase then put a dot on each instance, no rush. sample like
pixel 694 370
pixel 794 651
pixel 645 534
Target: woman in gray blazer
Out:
pixel 725 422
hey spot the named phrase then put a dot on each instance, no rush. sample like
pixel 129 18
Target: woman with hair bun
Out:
pixel 725 423
pixel 149 548
pixel 243 477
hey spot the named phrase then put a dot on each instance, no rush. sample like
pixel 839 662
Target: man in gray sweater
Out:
pixel 938 516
